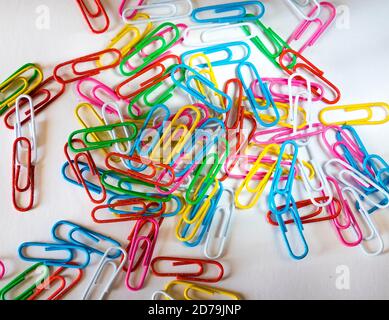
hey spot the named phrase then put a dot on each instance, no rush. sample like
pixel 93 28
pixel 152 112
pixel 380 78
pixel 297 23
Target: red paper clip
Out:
pixel 188 276
pixel 74 165
pixel 152 171
pixel 30 180
pixel 90 16
pixel 92 71
pixel 63 289
pixel 311 69
pixel 47 98
pixel 311 217
pixel 160 76
pixel 142 210
pixel 136 241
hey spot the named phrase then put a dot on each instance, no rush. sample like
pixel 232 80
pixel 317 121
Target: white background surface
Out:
pixel 256 263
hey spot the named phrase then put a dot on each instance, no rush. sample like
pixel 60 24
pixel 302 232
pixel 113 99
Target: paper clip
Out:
pixel 153 36
pixel 286 192
pixel 76 166
pixel 160 293
pixel 67 261
pixel 98 95
pixel 193 75
pixel 46 94
pixel 189 276
pixel 225 50
pixel 90 16
pixel 83 234
pixel 305 25
pixel 21 82
pixel 159 7
pixel 135 244
pixel 359 178
pixel 105 262
pixel 331 113
pixel 31 149
pixel 269 103
pixel 152 174
pixel 79 67
pixel 312 217
pixel 2 269
pixel 374 234
pixel 257 191
pixel 61 279
pixel 197 288
pixel 123 5
pixel 40 268
pixel 206 34
pixel 159 73
pixel 128 30
pixel 217 231
pixel 277 43
pixel 298 7
pixel 311 69
pixel 87 136
pixel 227 11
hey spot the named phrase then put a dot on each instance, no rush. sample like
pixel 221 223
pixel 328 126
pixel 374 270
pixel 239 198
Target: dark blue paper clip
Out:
pixel 188 88
pixel 255 106
pixel 218 49
pixel 86 233
pixel 68 262
pixel 286 191
pixel 292 210
pixel 238 10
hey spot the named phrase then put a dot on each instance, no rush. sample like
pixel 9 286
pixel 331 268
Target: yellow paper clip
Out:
pixel 19 83
pixel 190 286
pixel 257 191
pixel 367 120
pixel 128 30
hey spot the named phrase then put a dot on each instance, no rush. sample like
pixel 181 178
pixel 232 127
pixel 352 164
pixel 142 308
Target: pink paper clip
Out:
pixel 2 269
pixel 276 86
pixel 93 95
pixel 122 7
pixel 136 242
pixel 305 25
pixel 280 135
pixel 350 221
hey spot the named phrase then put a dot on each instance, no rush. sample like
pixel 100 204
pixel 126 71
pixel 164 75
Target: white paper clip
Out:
pixel 299 6
pixel 106 261
pixel 159 294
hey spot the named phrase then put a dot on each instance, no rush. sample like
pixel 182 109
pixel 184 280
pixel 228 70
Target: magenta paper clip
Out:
pixel 280 135
pixel 2 269
pixel 96 91
pixel 279 89
pixel 123 5
pixel 305 26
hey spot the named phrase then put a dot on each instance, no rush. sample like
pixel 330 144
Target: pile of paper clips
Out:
pixel 158 158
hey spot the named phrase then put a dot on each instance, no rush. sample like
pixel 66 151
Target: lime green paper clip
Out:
pixel 44 272
pixel 87 136
pixel 277 42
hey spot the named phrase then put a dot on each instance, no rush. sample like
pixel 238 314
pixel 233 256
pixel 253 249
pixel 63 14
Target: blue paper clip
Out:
pixel 225 48
pixel 251 97
pixel 286 192
pixel 67 262
pixel 371 162
pixel 150 121
pixel 89 234
pixel 292 210
pixel 207 220
pixel 84 168
pixel 240 8
pixel 196 76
